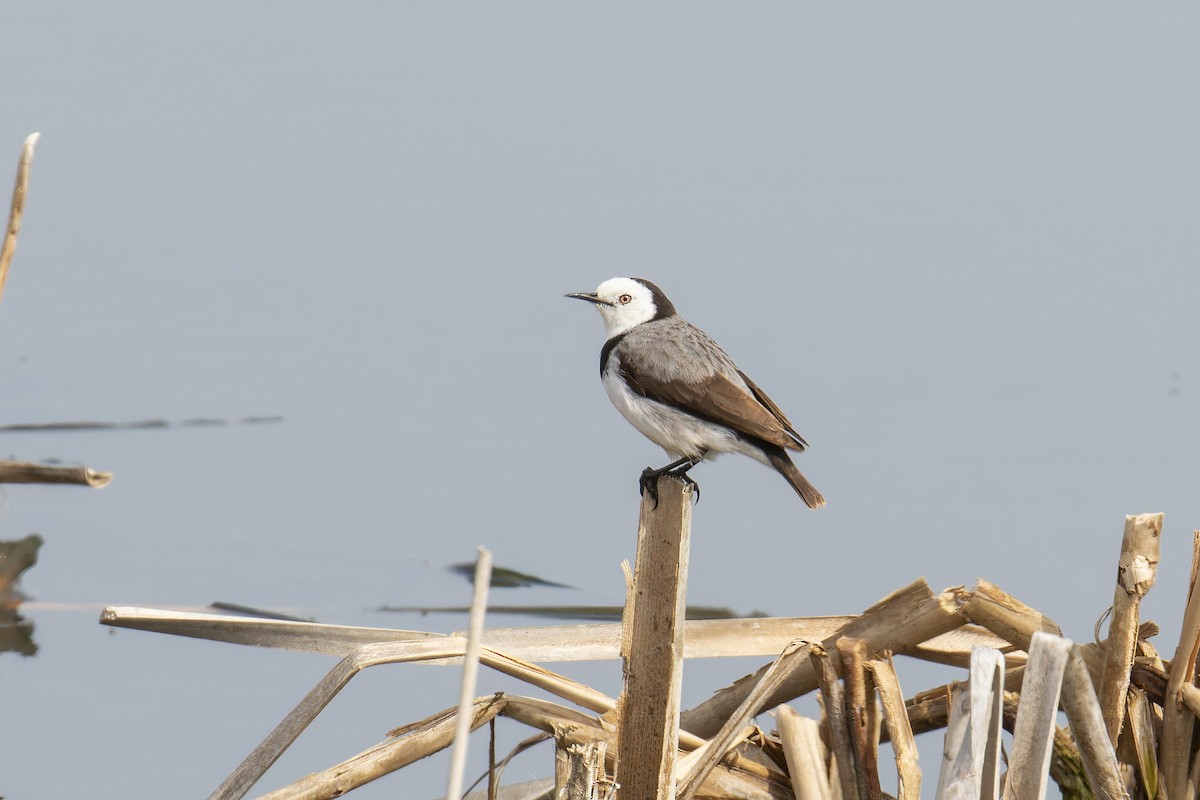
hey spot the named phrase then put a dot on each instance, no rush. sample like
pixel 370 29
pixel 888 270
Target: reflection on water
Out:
pixel 16 632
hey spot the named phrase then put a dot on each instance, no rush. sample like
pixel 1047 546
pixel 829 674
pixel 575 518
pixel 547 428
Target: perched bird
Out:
pixel 673 383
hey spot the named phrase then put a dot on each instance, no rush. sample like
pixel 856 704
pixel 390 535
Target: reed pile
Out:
pixel 1130 715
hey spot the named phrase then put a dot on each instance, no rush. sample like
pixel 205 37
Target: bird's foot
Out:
pixel 648 483
pixel 649 480
pixel 682 475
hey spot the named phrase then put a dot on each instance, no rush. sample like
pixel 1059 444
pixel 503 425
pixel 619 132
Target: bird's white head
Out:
pixel 625 303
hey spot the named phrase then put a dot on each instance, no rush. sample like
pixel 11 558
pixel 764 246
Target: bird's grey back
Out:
pixel 673 349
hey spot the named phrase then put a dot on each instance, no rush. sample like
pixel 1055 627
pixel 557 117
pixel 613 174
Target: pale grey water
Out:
pixel 958 245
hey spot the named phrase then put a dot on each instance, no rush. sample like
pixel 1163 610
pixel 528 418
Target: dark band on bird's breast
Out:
pixel 606 351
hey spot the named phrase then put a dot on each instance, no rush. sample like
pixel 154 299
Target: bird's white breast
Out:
pixel 677 432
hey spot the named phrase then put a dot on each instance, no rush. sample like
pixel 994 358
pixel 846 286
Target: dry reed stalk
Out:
pixel 900 621
pixel 705 638
pixel 458 756
pixel 860 700
pixel 1033 736
pixel 583 776
pixel 731 732
pixel 653 664
pixel 306 637
pixel 406 745
pixel 1006 616
pixel 1089 730
pixel 838 726
pixel 1195 564
pixel 1174 753
pixel 20 188
pixel 1143 730
pixel 1136 572
pixel 971 765
pixel 908 771
pixel 22 472
pixel 805 754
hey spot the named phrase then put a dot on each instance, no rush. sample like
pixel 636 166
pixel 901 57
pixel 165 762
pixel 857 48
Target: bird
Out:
pixel 672 382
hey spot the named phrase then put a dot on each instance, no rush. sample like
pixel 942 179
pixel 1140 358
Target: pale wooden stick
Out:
pixel 1033 737
pixel 988 678
pixel 896 716
pixel 970 768
pixel 805 754
pixel 649 713
pixel 1136 571
pixel 834 701
pixel 902 620
pixel 730 732
pixel 22 472
pixel 20 186
pixel 1174 752
pixel 958 779
pixel 458 756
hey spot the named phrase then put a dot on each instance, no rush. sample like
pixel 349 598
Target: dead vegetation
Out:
pixel 1019 672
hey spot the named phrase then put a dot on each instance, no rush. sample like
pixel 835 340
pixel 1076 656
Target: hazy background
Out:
pixel 957 244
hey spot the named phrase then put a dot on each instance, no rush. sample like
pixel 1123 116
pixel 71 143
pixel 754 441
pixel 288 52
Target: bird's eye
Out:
pixel 625 299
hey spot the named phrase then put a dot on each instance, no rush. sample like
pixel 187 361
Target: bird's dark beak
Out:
pixel 591 297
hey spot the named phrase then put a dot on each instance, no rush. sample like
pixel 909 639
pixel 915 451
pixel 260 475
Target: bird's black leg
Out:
pixel 677 468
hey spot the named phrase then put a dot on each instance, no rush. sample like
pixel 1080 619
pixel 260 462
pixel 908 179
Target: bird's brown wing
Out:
pixel 769 404
pixel 718 399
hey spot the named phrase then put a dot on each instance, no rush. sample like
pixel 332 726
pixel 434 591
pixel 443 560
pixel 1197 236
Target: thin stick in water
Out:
pixel 18 206
pixel 458 756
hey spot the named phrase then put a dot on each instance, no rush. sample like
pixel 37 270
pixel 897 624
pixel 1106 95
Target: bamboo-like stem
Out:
pixel 20 187
pixel 463 727
pixel 22 472
pixel 1005 616
pixel 896 716
pixel 1136 572
pixel 971 756
pixel 649 706
pixel 1174 752
pixel 1033 738
pixel 859 693
pixel 834 700
pixel 1088 729
pixel 1142 726
pixel 805 754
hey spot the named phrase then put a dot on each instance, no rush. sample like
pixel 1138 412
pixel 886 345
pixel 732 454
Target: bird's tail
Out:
pixel 808 493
